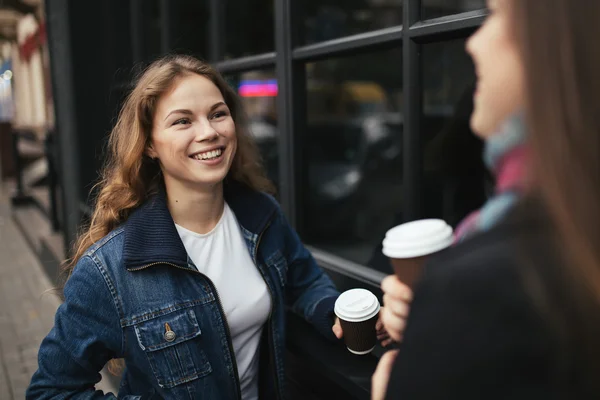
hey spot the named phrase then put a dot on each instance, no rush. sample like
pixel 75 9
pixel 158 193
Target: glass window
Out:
pixel 119 58
pixel 258 92
pixel 151 29
pixel 353 153
pixel 189 27
pixel 249 27
pixel 455 178
pixel 439 8
pixel 332 19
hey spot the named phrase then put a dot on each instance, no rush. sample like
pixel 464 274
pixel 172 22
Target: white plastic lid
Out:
pixel 417 238
pixel 356 305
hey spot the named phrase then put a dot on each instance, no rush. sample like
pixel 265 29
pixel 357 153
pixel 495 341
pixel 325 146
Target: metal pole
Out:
pixel 61 60
pixel 216 43
pixel 165 22
pixel 412 81
pixel 51 159
pixel 135 16
pixel 290 79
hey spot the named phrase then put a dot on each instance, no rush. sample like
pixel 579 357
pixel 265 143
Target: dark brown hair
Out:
pixel 562 66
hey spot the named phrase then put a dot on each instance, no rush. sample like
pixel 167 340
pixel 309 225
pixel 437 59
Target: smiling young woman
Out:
pixel 188 266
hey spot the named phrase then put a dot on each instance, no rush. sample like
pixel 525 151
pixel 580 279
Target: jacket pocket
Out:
pixel 172 344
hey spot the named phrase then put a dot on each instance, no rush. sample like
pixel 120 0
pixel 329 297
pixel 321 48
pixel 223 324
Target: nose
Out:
pixel 205 131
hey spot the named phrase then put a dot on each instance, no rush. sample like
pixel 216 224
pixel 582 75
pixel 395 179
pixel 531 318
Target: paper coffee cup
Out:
pixel 409 245
pixel 358 310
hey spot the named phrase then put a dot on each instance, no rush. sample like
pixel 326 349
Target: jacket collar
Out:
pixel 150 235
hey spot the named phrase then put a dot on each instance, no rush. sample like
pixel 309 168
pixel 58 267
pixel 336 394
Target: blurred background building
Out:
pixel 360 109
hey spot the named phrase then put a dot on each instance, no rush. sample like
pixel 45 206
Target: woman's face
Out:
pixel 193 134
pixel 499 69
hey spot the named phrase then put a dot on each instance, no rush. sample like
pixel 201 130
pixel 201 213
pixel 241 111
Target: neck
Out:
pixel 196 209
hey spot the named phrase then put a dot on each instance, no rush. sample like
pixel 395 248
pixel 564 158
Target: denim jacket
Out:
pixel 132 283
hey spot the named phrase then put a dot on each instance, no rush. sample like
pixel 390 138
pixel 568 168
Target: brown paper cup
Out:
pixel 408 270
pixel 360 337
pixel 409 245
pixel 358 310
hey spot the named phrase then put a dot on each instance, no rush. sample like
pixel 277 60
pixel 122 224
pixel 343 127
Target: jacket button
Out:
pixel 169 336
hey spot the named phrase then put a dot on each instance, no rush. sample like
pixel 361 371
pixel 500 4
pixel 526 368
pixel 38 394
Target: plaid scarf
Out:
pixel 505 154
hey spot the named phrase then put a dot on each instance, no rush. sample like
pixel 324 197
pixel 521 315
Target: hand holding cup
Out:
pixel 382 335
pixel 408 247
pixel 358 314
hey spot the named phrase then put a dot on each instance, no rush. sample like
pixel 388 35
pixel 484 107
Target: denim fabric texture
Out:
pixel 136 295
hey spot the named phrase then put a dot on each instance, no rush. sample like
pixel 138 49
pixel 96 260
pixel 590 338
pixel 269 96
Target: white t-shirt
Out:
pixel 223 256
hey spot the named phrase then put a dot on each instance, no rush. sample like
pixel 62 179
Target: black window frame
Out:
pixel 289 59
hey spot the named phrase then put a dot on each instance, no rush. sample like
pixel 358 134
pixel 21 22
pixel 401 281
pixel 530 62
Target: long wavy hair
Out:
pixel 130 176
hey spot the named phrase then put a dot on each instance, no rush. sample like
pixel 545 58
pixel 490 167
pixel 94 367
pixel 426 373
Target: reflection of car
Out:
pixel 351 164
pixel 345 99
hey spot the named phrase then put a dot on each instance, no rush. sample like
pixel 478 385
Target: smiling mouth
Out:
pixel 209 155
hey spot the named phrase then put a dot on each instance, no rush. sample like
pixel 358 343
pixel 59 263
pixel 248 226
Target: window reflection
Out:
pixel 455 177
pixel 258 92
pixel 455 180
pixel 332 19
pixel 439 8
pixel 249 27
pixel 353 154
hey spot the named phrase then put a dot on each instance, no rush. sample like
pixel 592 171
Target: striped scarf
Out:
pixel 505 154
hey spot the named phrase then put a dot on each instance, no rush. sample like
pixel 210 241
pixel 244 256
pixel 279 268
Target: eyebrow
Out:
pixel 217 105
pixel 188 112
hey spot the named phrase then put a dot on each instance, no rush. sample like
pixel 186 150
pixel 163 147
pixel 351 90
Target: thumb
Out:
pixel 337 329
pixel 381 377
pixel 386 362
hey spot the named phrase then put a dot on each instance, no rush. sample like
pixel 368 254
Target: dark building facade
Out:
pixel 360 109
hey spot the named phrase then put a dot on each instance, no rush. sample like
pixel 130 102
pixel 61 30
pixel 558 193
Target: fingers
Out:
pixel 396 300
pixel 397 307
pixel 382 335
pixel 392 287
pixel 394 325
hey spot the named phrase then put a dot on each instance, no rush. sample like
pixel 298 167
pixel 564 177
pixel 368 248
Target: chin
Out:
pixel 478 126
pixel 211 181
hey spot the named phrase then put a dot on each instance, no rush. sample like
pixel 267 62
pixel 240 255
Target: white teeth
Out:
pixel 208 155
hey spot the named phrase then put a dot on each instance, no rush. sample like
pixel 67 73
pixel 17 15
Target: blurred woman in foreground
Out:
pixel 514 311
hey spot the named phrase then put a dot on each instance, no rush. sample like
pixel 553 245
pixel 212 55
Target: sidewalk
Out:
pixel 26 309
